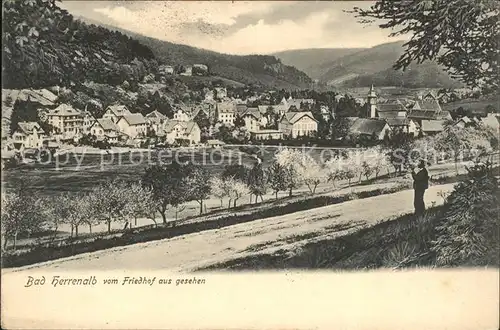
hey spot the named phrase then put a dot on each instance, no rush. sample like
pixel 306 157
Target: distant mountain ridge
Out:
pixel 264 70
pixel 363 67
pixel 312 61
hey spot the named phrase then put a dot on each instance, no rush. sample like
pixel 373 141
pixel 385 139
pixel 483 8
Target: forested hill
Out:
pixel 44 45
pixel 265 70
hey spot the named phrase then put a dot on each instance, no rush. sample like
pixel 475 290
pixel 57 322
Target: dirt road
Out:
pixel 189 252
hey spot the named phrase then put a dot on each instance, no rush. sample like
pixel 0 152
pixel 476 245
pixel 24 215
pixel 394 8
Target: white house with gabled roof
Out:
pixel 134 125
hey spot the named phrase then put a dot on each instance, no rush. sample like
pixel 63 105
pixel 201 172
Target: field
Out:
pixel 278 236
pixel 76 172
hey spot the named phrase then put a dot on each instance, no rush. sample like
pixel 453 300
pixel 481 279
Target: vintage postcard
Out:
pixel 250 164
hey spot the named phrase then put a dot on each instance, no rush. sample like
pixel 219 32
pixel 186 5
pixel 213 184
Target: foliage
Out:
pixel 196 184
pixel 43 46
pixel 310 172
pixel 257 181
pixel 139 202
pixel 276 177
pixel 290 160
pixel 167 184
pixel 468 230
pixel 235 171
pixel 461 35
pixel 21 214
pixel 259 70
pixel 109 203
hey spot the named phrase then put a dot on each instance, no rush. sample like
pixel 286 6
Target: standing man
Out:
pixel 420 184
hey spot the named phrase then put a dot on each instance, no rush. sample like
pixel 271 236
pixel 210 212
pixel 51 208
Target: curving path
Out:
pixel 189 252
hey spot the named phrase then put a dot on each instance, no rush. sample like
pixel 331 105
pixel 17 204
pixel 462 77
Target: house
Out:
pixel 226 112
pixel 418 114
pixel 188 71
pixel 427 104
pixel 105 128
pixel 166 69
pixel 267 134
pixel 29 134
pixel 115 112
pixel 466 122
pixel 181 115
pixel 279 109
pixel 413 127
pixel 200 70
pixel 372 128
pixel 398 124
pixel 241 109
pixel 176 130
pixel 491 121
pixel 66 120
pixel 88 121
pixel 215 144
pixel 391 109
pixel 252 119
pixel 133 125
pixel 220 93
pixel 300 103
pixel 431 127
pixel 209 95
pixel 294 124
pixel 326 113
pixel 155 120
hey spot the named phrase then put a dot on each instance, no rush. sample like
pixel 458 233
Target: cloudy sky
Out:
pixel 239 27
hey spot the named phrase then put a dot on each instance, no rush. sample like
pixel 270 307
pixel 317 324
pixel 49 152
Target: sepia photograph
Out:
pixel 155 144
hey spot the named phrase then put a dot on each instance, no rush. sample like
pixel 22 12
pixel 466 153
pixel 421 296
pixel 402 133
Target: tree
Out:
pixel 453 141
pixel 468 230
pixel 276 177
pixel 76 210
pixel 339 128
pixel 22 213
pixel 310 172
pixel 202 120
pixel 256 181
pixel 236 189
pixel 239 121
pixel 197 184
pixel 108 202
pixel 167 184
pixel 138 202
pixel 219 189
pixel 334 169
pixel 235 171
pixel 463 36
pixel 352 166
pixel 290 160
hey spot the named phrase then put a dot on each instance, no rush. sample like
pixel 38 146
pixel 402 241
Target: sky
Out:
pixel 239 27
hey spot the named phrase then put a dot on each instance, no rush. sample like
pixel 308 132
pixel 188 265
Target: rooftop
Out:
pixel 432 125
pixel 107 124
pixel 134 119
pixel 64 110
pixel 27 127
pixel 368 126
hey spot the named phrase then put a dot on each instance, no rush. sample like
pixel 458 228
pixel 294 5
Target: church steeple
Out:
pixel 372 102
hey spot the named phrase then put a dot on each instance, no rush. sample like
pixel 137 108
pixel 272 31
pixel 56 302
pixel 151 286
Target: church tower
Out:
pixel 372 102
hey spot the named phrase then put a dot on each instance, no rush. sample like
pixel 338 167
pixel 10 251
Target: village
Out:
pixel 251 121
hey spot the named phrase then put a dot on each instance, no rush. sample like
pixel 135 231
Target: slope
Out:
pixel 264 70
pixel 374 65
pixel 311 61
pixel 45 46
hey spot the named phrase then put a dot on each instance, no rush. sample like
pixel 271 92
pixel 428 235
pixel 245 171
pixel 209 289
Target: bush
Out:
pixel 468 230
